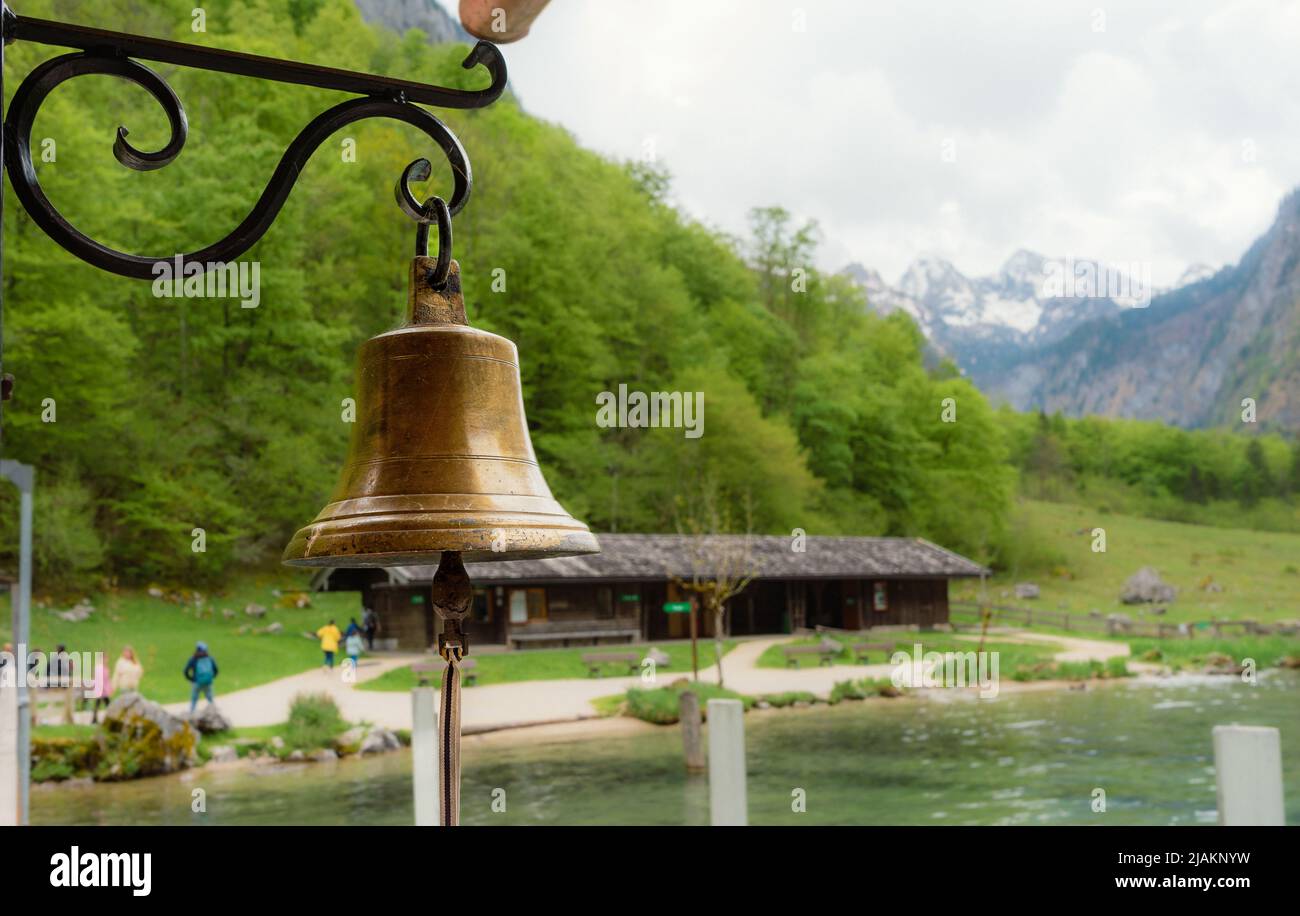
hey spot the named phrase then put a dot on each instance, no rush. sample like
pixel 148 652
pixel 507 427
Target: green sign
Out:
pixel 417 599
pixel 629 597
pixel 677 607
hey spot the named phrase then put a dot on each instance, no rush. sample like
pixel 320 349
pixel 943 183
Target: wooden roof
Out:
pixel 641 557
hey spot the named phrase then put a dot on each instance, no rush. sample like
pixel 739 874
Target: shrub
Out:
pixel 789 698
pixel 56 759
pixel 660 705
pixel 314 721
pixel 847 690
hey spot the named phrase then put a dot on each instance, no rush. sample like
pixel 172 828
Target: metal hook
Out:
pixel 435 209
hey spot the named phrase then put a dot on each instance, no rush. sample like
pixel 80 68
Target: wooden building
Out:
pixel 619 595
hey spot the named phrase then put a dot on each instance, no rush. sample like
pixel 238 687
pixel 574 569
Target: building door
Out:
pixel 853 606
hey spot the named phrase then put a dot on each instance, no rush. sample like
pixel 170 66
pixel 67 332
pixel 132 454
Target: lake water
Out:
pixel 1030 758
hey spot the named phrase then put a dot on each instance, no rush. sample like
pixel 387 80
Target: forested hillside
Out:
pixel 1142 467
pixel 172 414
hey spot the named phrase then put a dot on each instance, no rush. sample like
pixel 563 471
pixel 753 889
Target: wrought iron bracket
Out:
pixel 115 53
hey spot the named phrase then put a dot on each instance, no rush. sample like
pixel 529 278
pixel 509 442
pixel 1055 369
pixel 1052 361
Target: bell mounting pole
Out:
pixel 97 51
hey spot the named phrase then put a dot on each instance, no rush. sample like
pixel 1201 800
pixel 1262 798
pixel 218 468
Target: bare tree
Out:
pixel 722 562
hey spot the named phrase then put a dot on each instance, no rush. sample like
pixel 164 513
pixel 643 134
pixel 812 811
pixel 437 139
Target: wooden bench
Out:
pixel 862 649
pixel 825 650
pixel 595 660
pixel 468 670
pixel 589 632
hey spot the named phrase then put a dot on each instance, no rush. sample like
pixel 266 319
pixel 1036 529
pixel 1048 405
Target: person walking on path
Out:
pixel 100 690
pixel 127 672
pixel 329 637
pixel 353 646
pixel 200 671
pixel 370 621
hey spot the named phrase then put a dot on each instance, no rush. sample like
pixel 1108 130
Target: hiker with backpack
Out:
pixel 353 645
pixel 200 671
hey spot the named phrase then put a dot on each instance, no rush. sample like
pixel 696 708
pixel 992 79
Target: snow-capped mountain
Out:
pixel 985 323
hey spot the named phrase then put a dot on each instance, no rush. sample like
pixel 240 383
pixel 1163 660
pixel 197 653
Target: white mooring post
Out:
pixel 728 805
pixel 10 780
pixel 424 755
pixel 23 476
pixel 1248 770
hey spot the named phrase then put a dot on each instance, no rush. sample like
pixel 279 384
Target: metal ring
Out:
pixel 435 209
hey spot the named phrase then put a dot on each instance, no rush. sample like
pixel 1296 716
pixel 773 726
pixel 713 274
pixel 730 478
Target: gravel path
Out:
pixel 497 706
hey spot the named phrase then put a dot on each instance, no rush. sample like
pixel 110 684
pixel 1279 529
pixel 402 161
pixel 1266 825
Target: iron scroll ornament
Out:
pixel 391 103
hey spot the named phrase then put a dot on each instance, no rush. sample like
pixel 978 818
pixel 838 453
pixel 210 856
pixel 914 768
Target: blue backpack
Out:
pixel 204 670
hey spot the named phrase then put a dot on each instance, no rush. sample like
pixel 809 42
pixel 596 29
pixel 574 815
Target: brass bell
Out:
pixel 440 458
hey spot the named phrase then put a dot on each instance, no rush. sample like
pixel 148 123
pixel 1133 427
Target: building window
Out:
pixel 481 612
pixel 527 605
pixel 879 596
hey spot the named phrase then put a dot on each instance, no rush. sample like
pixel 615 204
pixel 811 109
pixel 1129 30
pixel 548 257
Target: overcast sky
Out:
pixel 1139 131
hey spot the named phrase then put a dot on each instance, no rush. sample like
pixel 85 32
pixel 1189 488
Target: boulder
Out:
pixel 297 755
pixel 255 610
pixel 224 753
pixel 140 738
pixel 658 656
pixel 1146 587
pixel 1026 590
pixel 324 755
pixel 378 741
pixel 367 739
pixel 227 613
pixel 350 740
pixel 78 613
pixel 274 628
pixel 209 720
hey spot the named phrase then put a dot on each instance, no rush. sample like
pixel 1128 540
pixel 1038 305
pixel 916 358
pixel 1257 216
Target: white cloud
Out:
pixel 1125 143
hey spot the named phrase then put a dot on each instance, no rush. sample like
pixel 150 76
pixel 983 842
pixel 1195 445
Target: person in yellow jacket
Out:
pixel 329 637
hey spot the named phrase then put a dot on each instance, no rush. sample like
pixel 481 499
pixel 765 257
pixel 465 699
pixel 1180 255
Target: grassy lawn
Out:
pixel 1259 571
pixel 163 634
pixel 555 664
pixel 1010 654
pixel 1195 654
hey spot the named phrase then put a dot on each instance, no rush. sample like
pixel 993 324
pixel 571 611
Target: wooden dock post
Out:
pixel 692 731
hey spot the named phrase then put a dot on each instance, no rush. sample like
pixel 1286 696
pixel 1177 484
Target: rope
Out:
pixel 449 771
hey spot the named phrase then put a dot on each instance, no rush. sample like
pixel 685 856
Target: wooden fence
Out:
pixel 1003 614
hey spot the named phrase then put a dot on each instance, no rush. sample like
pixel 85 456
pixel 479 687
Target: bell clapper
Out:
pixel 453 594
